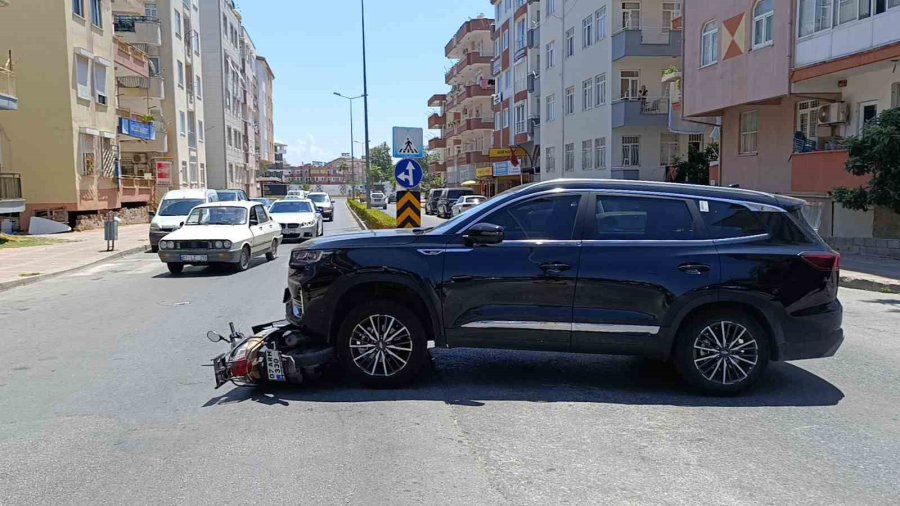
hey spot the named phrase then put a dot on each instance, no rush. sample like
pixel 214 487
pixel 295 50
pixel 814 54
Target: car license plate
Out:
pixel 273 365
pixel 220 370
pixel 194 258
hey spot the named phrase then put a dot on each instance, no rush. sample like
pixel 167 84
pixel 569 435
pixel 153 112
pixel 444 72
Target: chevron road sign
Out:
pixel 409 209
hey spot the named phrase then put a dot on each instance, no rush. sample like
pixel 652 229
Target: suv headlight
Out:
pixel 301 257
pixel 154 227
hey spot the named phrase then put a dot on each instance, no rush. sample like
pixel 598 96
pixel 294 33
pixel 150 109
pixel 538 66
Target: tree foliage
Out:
pixel 382 165
pixel 695 168
pixel 877 153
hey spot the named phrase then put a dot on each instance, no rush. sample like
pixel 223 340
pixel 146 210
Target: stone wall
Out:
pixel 889 248
pixel 128 215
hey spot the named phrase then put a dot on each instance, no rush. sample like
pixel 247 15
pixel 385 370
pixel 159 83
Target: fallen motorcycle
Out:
pixel 276 352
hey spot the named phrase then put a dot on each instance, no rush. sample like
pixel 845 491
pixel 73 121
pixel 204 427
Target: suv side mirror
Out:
pixel 483 234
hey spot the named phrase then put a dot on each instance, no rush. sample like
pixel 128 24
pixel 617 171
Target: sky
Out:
pixel 315 49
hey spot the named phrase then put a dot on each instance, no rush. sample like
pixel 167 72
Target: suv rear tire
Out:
pixel 722 352
pixel 382 344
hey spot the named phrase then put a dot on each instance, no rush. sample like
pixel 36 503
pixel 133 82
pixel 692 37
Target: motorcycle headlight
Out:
pixel 218 244
pixel 226 244
pixel 301 257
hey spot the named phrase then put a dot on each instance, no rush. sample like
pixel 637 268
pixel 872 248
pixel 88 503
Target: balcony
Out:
pixel 11 200
pixel 437 143
pixel 496 65
pixel 133 7
pixel 9 101
pixel 651 112
pixel 436 121
pixel 468 125
pixel 138 30
pixel 471 158
pixel 534 38
pixel 849 40
pixel 137 188
pixel 819 172
pixel 141 87
pixel 437 100
pixel 469 27
pixel 439 167
pixel 534 129
pixel 646 41
pixel 466 61
pixel 131 61
pixel 533 83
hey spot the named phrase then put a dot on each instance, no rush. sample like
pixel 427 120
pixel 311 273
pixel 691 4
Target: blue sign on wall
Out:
pixel 137 129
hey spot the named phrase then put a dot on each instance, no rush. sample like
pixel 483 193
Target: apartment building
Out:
pixel 250 112
pixel 791 81
pixel 516 100
pixel 224 94
pixel 11 202
pixel 265 137
pixel 606 102
pixel 62 139
pixel 465 118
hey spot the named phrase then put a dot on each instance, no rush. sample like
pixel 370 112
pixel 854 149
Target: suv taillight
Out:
pixel 823 261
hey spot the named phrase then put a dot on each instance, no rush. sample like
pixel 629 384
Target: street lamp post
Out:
pixel 362 6
pixel 352 157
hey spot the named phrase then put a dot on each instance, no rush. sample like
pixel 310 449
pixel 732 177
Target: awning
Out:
pixel 469 183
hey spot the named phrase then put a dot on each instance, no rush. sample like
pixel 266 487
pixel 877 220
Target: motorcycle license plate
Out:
pixel 219 369
pixel 274 366
pixel 194 258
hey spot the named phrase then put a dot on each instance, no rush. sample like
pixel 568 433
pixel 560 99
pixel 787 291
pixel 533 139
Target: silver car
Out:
pixel 378 200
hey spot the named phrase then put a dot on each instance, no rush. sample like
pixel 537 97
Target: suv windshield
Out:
pixel 291 207
pixel 218 216
pixel 377 195
pixel 319 199
pixel 178 207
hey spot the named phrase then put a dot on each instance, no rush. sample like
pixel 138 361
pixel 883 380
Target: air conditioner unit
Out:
pixel 830 114
pixel 139 158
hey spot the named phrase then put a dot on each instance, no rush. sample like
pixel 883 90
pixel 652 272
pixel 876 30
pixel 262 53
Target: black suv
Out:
pixel 448 197
pixel 431 200
pixel 720 281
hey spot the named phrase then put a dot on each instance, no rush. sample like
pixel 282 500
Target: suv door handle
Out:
pixel 695 269
pixel 555 267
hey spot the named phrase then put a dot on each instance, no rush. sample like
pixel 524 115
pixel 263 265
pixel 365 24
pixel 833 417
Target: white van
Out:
pixel 174 209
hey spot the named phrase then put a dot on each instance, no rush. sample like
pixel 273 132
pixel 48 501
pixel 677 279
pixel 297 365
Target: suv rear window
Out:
pixel 641 219
pixel 725 220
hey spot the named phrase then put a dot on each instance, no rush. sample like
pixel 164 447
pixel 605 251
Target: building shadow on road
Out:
pixel 476 377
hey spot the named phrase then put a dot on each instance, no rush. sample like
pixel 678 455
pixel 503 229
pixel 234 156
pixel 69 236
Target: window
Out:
pixel 155 68
pixel 520 118
pixel 570 157
pixel 506 118
pixel 97 13
pixel 895 95
pixel 749 131
pixel 600 153
pixel 631 151
pixel 551 159
pixel 543 218
pixel 83 77
pixel 601 30
pixel 570 100
pixel 631 15
pixel 587 31
pixel 725 221
pixel 600 89
pixel 180 67
pixel 520 35
pixel 668 148
pixel 261 216
pixel 763 15
pixel 868 113
pixel 709 44
pixel 695 141
pixel 87 145
pixel 497 47
pixel 521 76
pixel 177 23
pixel 641 219
pixel 551 54
pixel 570 42
pixel 151 10
pixel 78 7
pixel 808 118
pixel 669 12
pixel 198 87
pixel 196 43
pixel 551 107
pixel 551 7
pixel 505 40
pixel 587 94
pixel 851 10
pixel 587 152
pixel 101 94
pixel 201 133
pixel 182 123
pixel 815 16
pixel 629 84
pixel 497 119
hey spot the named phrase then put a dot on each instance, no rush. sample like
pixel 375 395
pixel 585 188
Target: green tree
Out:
pixel 877 153
pixel 382 165
pixel 695 168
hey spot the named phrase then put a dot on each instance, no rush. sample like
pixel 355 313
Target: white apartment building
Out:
pixel 250 112
pixel 224 85
pixel 605 107
pixel 265 138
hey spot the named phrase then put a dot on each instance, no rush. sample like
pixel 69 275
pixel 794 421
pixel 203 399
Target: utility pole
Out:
pixel 362 5
pixel 352 157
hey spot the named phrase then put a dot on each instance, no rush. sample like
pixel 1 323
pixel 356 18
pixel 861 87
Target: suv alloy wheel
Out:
pixel 722 353
pixel 382 344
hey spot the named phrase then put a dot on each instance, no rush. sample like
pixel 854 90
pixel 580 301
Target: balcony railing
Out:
pixel 820 172
pixel 131 58
pixel 436 121
pixel 139 29
pixel 468 27
pixel 153 86
pixel 646 41
pixel 8 99
pixel 472 58
pixel 649 111
pixel 10 186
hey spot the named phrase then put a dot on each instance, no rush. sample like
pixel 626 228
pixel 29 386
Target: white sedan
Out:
pixel 221 233
pixel 298 218
pixel 465 203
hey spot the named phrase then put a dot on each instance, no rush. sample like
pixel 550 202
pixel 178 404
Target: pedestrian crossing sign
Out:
pixel 408 143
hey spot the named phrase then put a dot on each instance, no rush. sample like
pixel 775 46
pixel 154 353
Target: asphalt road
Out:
pixel 106 398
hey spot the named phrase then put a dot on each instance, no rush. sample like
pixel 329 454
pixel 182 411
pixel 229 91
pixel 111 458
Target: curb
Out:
pixel 870 285
pixel 359 222
pixel 34 279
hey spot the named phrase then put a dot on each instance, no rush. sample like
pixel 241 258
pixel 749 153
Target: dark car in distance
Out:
pixel 447 198
pixel 718 281
pixel 431 200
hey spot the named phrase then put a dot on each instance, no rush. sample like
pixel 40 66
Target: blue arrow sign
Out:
pixel 408 173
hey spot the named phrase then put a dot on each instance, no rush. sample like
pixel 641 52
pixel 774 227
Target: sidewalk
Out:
pixel 870 273
pixel 19 266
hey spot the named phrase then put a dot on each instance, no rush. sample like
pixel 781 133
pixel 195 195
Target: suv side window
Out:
pixel 627 218
pixel 726 220
pixel 542 218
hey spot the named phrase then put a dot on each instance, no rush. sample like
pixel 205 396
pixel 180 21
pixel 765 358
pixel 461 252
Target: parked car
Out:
pixel 465 203
pixel 231 195
pixel 431 200
pixel 221 233
pixel 324 204
pixel 719 281
pixel 264 201
pixel 377 200
pixel 296 194
pixel 174 208
pixel 298 218
pixel 392 198
pixel 446 199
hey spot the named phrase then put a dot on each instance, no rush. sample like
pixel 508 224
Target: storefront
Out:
pixel 485 178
